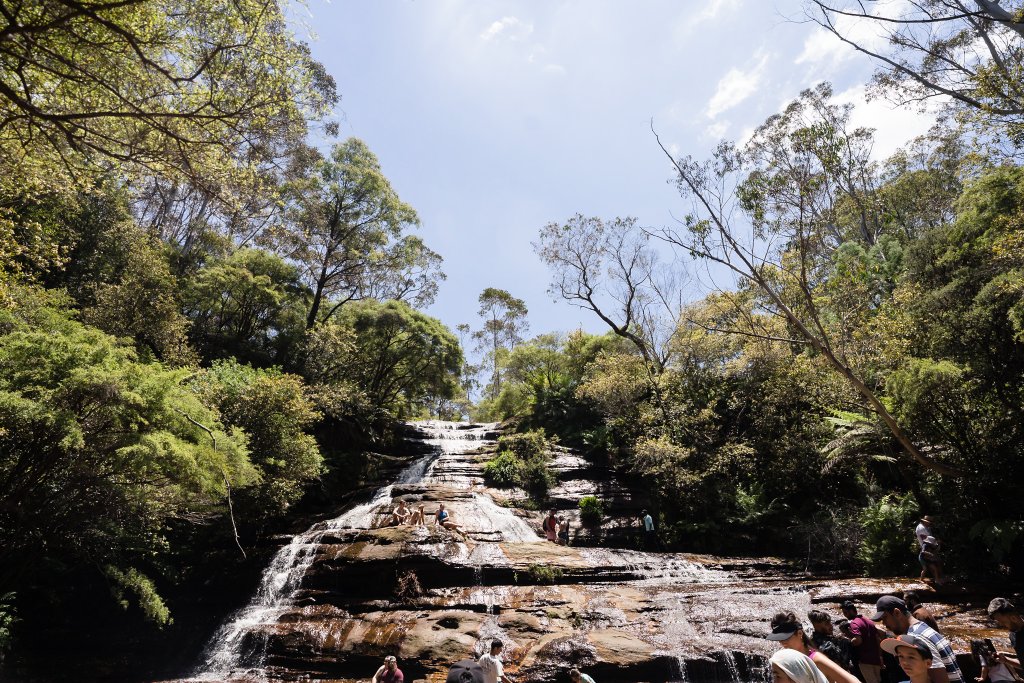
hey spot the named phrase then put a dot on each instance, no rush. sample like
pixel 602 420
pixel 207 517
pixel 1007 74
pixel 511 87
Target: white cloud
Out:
pixel 894 126
pixel 735 87
pixel 710 11
pixel 717 130
pixel 554 69
pixel 823 48
pixel 510 28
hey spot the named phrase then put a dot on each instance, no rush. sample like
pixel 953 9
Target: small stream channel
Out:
pixel 331 603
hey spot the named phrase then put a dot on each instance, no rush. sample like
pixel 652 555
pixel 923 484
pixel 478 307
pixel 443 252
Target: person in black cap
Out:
pixel 466 671
pixel 914 654
pixel 1008 617
pixel 787 632
pixel 864 637
pixel 897 618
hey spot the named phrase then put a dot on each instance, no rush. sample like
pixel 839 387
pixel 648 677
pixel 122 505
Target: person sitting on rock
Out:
pixel 577 676
pixel 401 514
pixel 389 672
pixel 418 517
pixel 444 519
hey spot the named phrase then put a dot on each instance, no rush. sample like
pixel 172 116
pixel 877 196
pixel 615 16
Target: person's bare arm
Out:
pixel 376 676
pixel 833 672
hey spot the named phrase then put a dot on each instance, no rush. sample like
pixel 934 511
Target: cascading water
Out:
pixel 237 649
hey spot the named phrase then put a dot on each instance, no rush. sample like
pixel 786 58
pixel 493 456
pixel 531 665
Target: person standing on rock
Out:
pixel 577 676
pixel 550 526
pixel 563 530
pixel 864 637
pixel 494 672
pixel 897 618
pixel 650 535
pixel 389 672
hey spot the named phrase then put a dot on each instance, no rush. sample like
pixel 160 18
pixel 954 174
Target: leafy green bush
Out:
pixel 504 471
pixel 888 525
pixel 522 460
pixel 591 509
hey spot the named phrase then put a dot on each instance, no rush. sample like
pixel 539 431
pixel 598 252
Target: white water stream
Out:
pixel 232 652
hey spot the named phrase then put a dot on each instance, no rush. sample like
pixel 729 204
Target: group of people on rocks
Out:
pixel 403 514
pixel 901 628
pixel 556 529
pixel 488 668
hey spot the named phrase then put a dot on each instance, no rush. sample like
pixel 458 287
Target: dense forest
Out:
pixel 209 324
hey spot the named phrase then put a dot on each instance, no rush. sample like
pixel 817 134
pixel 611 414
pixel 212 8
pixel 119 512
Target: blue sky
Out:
pixel 493 118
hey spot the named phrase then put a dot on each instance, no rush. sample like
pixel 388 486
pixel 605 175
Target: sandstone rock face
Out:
pixel 356 589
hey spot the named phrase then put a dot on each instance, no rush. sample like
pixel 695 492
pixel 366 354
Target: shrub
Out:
pixel 408 587
pixel 504 471
pixel 591 509
pixel 522 461
pixel 541 573
pixel 888 526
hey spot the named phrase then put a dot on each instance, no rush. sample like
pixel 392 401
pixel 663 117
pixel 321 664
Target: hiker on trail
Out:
pixel 790 666
pixel 563 531
pixel 401 514
pixel 788 632
pixel 928 554
pixel 494 672
pixel 577 676
pixel 864 637
pixel 914 654
pixel 444 519
pixel 992 668
pixel 389 672
pixel 920 612
pixel 1008 617
pixel 550 526
pixel 650 535
pixel 897 618
pixel 466 671
pixel 826 641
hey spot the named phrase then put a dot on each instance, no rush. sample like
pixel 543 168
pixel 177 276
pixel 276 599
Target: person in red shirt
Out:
pixel 864 637
pixel 389 672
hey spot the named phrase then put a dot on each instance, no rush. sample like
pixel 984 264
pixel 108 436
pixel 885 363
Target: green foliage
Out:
pixel 591 509
pixel 887 546
pixel 275 410
pixel 522 461
pixel 543 574
pixel 132 583
pixel 8 617
pixel 99 449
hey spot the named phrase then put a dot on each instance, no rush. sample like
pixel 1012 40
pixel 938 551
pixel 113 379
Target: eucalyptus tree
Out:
pixel 969 51
pixel 196 90
pixel 772 214
pixel 505 322
pixel 346 230
pixel 611 269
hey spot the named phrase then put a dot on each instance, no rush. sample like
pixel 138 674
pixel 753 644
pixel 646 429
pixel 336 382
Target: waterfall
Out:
pixel 238 649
